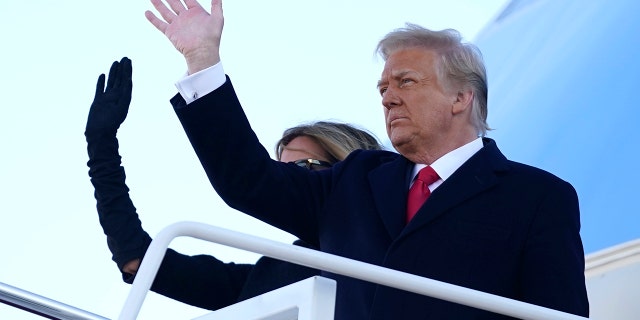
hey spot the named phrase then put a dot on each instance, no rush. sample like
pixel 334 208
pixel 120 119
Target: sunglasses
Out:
pixel 313 164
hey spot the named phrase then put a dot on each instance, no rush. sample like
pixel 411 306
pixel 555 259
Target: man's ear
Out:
pixel 463 101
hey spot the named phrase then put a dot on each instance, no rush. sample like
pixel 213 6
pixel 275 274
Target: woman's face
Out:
pixel 303 148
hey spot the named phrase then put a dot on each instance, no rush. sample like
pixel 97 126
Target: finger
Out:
pixel 216 10
pixel 117 82
pixel 126 78
pixel 165 13
pixel 126 70
pixel 123 75
pixel 155 21
pixel 216 6
pixel 100 85
pixel 113 73
pixel 176 6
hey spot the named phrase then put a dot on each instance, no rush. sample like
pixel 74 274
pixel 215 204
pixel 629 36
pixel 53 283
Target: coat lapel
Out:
pixel 473 177
pixel 389 187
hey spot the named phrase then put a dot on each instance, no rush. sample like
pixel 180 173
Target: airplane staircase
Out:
pixel 610 281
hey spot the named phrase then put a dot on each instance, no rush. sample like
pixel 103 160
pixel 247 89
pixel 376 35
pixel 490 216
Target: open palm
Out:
pixel 191 29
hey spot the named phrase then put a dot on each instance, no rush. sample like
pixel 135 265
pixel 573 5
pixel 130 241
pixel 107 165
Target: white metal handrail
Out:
pixel 324 261
pixel 42 306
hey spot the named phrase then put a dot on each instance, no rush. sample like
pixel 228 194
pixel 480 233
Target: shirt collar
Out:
pixel 446 165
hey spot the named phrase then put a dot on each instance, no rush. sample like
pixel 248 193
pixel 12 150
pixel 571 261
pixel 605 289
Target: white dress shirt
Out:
pixel 450 162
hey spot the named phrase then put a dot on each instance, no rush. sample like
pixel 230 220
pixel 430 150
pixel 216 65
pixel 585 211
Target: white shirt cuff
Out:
pixel 192 87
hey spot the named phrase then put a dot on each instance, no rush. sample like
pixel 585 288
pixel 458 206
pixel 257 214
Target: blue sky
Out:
pixel 290 61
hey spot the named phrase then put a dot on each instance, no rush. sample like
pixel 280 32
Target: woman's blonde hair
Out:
pixel 337 139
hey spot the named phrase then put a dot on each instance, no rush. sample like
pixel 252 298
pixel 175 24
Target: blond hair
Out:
pixel 337 139
pixel 460 64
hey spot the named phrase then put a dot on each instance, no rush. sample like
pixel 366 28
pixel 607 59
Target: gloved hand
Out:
pixel 125 237
pixel 110 105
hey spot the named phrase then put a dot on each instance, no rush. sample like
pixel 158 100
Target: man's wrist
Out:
pixel 201 59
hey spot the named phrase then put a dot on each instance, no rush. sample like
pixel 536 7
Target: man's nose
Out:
pixel 390 99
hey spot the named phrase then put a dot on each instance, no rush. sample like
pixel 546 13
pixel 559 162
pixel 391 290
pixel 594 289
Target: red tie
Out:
pixel 419 191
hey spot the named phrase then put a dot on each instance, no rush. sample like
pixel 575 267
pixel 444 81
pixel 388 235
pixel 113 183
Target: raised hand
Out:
pixel 191 29
pixel 111 104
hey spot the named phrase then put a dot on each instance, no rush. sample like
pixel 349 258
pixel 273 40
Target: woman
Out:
pixel 200 280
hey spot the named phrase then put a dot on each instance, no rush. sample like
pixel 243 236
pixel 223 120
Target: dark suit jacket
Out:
pixel 495 225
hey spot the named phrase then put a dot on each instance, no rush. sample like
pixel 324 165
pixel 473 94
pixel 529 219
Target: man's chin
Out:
pixel 398 136
pixel 399 144
pixel 403 143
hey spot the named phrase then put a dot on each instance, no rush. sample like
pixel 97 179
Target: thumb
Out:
pixel 216 6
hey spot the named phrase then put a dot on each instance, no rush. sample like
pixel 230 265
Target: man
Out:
pixel 489 224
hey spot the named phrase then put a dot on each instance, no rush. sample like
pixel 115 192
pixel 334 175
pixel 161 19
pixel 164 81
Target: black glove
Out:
pixel 125 237
pixel 110 105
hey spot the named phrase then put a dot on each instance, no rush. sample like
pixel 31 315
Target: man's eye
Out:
pixel 382 91
pixel 406 81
